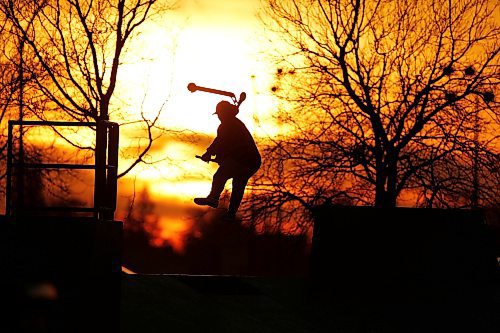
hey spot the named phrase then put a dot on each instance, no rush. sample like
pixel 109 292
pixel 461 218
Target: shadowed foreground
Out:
pixel 176 303
pixel 372 270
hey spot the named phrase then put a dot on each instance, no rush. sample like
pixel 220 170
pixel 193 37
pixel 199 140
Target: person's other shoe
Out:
pixel 207 202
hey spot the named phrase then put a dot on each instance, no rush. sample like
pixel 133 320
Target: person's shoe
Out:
pixel 207 202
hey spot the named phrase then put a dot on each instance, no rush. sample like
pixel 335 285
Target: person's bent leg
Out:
pixel 218 182
pixel 240 181
pixel 239 184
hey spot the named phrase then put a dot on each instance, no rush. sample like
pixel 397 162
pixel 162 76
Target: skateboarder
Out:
pixel 237 155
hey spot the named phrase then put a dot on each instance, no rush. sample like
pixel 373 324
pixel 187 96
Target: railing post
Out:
pixel 112 170
pixel 100 168
pixel 8 190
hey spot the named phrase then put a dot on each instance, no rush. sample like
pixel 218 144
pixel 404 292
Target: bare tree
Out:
pixel 384 100
pixel 16 84
pixel 77 47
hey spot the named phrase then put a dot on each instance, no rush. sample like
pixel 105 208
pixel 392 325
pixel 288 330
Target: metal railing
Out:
pixel 105 170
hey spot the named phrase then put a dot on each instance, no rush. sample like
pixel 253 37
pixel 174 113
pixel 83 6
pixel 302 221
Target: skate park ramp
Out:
pixel 397 270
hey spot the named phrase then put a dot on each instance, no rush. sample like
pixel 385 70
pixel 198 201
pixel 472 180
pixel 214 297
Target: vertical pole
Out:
pixel 100 168
pixel 8 194
pixel 112 170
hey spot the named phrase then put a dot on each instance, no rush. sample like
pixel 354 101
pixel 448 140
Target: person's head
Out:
pixel 225 110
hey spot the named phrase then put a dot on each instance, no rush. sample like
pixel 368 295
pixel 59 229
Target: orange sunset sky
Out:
pixel 220 44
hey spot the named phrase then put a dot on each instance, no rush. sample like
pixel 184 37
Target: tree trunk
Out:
pixel 386 184
pixel 384 198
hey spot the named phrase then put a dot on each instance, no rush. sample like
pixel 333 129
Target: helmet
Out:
pixel 226 108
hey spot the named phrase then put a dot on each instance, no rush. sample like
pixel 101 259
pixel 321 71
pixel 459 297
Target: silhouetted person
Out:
pixel 237 155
